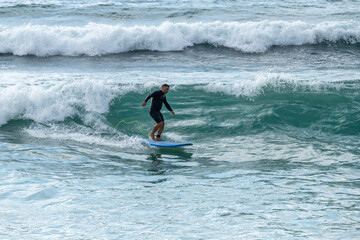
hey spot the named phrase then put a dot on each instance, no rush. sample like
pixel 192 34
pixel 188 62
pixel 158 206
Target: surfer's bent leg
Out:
pixel 159 127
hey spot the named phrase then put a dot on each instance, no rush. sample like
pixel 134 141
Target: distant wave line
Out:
pixel 101 39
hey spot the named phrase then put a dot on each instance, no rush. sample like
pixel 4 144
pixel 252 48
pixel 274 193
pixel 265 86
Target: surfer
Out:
pixel 158 98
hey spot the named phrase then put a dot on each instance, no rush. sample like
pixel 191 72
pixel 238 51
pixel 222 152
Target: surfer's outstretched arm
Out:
pixel 167 105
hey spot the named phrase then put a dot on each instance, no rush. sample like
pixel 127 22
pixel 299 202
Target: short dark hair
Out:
pixel 165 85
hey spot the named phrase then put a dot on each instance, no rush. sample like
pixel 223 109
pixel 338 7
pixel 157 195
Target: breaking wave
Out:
pixel 101 39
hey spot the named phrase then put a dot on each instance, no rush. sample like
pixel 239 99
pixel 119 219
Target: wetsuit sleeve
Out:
pixel 167 105
pixel 150 96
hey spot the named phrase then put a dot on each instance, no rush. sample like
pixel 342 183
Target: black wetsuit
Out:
pixel 158 98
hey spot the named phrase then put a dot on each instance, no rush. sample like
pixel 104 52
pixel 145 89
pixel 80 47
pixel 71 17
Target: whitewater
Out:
pixel 267 92
pixel 99 39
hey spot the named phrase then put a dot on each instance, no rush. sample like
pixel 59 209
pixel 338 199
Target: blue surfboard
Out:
pixel 166 143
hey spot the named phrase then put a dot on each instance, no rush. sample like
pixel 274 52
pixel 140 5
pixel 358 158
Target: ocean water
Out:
pixel 267 91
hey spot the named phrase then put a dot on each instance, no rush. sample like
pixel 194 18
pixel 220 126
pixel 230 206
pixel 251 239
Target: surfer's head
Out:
pixel 165 88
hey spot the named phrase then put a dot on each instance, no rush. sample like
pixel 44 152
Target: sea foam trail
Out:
pixel 84 135
pixel 100 39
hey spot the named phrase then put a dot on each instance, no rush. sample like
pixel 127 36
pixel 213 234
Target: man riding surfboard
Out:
pixel 158 98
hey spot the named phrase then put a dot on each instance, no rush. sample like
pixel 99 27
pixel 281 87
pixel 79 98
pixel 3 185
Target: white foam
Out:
pixel 86 136
pixel 56 100
pixel 99 39
pixel 189 123
pixel 43 103
pixel 170 136
pixel 255 86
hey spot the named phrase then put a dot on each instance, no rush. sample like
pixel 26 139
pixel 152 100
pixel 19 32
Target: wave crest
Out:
pixel 85 98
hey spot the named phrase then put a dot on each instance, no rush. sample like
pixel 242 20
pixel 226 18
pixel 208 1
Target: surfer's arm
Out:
pixel 147 99
pixel 167 105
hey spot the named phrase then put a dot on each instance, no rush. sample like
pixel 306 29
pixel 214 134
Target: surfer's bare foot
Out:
pixel 159 139
pixel 152 137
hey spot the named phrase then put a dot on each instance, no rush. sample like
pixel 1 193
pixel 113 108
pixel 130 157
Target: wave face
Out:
pixel 246 107
pixel 101 39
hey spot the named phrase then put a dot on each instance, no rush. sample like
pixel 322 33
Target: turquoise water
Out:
pixel 268 92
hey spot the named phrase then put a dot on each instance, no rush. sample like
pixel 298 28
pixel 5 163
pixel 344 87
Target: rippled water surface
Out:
pixel 267 92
